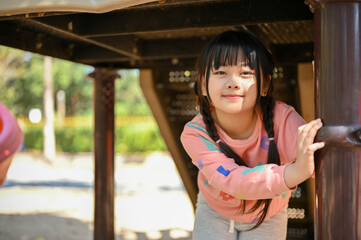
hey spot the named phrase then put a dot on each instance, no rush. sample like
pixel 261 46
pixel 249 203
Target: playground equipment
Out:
pixel 11 138
pixel 163 39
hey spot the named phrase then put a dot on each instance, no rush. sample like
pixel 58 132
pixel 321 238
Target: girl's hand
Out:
pixel 304 166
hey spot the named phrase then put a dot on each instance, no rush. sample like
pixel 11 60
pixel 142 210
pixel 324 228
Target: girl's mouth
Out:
pixel 233 96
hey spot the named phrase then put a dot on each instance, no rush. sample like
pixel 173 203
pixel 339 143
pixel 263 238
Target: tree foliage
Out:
pixel 129 97
pixel 21 89
pixel 21 85
pixel 72 78
pixel 11 62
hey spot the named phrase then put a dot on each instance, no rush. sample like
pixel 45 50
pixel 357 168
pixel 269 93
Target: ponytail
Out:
pixel 267 106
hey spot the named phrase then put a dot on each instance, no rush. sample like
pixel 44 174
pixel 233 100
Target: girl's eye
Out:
pixel 247 74
pixel 219 73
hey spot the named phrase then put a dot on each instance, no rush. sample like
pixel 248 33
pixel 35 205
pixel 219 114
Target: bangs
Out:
pixel 226 54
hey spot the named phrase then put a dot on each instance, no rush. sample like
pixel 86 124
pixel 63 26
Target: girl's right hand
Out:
pixel 304 166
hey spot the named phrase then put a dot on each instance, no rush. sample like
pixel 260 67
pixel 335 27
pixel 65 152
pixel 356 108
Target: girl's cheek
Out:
pixel 250 84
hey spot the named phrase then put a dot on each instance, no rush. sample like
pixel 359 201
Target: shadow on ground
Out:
pixel 47 226
pixel 58 183
pixel 52 227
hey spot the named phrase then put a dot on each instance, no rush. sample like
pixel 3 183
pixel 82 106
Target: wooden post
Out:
pixel 306 87
pixel 338 102
pixel 104 153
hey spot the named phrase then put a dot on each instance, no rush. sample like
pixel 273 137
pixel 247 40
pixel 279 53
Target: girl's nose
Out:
pixel 233 83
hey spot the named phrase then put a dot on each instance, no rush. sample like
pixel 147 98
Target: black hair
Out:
pixel 224 50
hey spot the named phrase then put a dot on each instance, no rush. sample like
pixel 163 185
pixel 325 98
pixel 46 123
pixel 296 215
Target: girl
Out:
pixel 250 149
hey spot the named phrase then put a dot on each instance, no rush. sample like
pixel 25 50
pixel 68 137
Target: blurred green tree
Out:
pixel 11 62
pixel 21 85
pixel 129 97
pixel 72 78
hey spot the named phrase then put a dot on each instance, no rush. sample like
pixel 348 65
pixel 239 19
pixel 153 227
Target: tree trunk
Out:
pixel 48 102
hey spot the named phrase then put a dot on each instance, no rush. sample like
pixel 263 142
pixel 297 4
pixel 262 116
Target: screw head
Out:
pixel 358 135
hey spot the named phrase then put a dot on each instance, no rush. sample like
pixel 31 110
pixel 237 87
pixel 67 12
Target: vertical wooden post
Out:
pixel 104 153
pixel 306 87
pixel 338 98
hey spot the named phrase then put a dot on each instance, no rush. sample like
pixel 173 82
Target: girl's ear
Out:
pixel 265 85
pixel 204 89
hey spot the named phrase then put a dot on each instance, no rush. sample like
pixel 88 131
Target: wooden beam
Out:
pixel 155 103
pixel 68 34
pixel 192 15
pixel 128 45
pixel 143 64
pixel 169 48
pixel 12 35
pixel 293 53
pixel 148 50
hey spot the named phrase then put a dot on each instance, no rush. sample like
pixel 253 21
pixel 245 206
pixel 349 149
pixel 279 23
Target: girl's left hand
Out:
pixel 304 166
pixel 306 146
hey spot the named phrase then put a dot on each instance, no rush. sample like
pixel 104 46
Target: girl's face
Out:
pixel 232 89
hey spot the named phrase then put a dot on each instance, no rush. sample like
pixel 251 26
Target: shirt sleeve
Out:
pixel 261 182
pixel 287 122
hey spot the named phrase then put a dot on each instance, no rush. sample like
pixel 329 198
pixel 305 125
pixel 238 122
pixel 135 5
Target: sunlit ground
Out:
pixel 50 201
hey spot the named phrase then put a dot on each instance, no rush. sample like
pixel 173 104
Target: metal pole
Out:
pixel 338 82
pixel 104 153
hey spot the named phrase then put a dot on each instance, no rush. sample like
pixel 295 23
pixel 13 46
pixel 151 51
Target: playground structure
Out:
pixel 11 139
pixel 163 39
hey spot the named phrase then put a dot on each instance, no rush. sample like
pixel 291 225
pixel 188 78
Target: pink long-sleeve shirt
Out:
pixel 224 184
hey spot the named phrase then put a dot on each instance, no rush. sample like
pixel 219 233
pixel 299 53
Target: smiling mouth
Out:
pixel 233 96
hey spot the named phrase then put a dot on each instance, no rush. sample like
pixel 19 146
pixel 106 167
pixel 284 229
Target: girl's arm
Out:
pixel 221 172
pixel 304 166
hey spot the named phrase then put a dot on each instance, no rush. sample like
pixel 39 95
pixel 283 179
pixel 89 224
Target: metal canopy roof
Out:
pixel 154 34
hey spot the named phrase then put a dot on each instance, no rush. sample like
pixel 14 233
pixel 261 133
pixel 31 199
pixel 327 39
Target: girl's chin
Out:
pixel 235 111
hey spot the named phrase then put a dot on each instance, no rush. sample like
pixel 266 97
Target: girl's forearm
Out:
pixel 293 176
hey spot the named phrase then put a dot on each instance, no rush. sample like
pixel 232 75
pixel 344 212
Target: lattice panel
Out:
pixel 294 233
pixel 182 99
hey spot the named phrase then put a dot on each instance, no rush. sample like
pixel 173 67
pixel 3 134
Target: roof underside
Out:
pixel 165 33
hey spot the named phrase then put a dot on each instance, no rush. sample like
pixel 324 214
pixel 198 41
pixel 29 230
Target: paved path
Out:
pixel 43 201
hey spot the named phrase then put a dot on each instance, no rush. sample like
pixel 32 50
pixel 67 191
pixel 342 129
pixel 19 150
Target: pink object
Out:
pixel 11 138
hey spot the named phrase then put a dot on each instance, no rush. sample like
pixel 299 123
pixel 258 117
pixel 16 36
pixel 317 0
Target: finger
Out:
pixel 304 131
pixel 307 138
pixel 316 146
pixel 300 128
pixel 313 131
pixel 310 125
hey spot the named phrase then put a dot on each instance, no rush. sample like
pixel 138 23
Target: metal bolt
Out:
pixel 358 135
pixel 70 26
